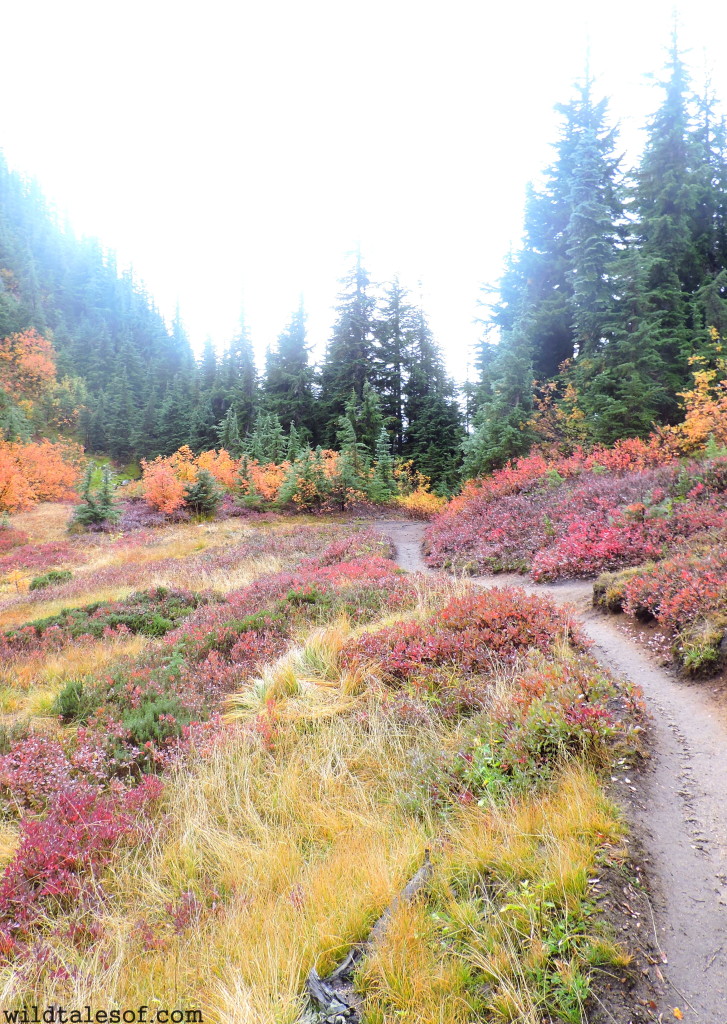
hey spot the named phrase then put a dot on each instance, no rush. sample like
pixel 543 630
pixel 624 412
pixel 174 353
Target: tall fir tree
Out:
pixel 288 381
pixel 433 425
pixel 347 363
pixel 502 429
pixel 595 229
pixel 655 325
pixel 241 375
pixel 228 433
pixel 394 329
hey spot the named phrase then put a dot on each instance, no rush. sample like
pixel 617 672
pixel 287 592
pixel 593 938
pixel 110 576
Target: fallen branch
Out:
pixel 333 996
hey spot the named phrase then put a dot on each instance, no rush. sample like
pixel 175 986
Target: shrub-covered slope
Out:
pixel 656 526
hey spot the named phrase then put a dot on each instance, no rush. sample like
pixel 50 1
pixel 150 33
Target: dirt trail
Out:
pixel 679 810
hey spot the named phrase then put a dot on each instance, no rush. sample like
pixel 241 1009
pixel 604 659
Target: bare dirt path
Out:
pixel 678 810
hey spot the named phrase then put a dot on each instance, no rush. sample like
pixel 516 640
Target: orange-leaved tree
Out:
pixel 27 365
pixel 28 379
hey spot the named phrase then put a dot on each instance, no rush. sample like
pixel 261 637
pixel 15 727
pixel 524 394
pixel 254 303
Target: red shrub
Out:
pixel 571 520
pixel 40 556
pixel 679 589
pixel 470 634
pixel 59 856
pixel 11 538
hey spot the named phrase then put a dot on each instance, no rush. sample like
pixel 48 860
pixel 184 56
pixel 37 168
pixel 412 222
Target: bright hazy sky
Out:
pixel 235 151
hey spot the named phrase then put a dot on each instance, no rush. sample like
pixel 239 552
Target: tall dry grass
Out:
pixel 279 845
pixel 303 846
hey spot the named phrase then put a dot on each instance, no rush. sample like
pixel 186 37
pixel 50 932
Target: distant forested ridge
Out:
pixel 620 287
pixel 142 393
pixel 615 299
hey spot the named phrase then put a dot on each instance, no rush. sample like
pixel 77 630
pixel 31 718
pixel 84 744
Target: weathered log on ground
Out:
pixel 333 998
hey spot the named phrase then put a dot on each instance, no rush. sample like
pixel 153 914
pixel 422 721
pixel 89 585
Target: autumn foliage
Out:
pixel 29 382
pixel 314 481
pixel 705 407
pixel 37 471
pixel 27 365
pixel 163 490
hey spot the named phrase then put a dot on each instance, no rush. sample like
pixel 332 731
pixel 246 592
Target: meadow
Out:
pixel 227 745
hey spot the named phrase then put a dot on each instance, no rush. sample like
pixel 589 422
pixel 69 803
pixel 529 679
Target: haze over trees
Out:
pixel 142 393
pixel 620 283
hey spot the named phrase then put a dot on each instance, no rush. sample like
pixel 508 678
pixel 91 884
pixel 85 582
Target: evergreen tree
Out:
pixel 394 328
pixel 146 435
pixel 367 417
pixel 294 444
pixel 96 508
pixel 267 442
pixel 624 391
pixel 351 466
pixel 14 424
pixel 306 484
pixel 120 417
pixel 208 367
pixel 175 415
pixel 352 452
pixel 347 363
pixel 203 425
pixel 594 231
pixel 202 495
pixel 711 215
pixel 288 383
pixel 248 494
pixel 242 378
pixel 501 425
pixel 383 485
pixel 228 433
pixel 665 202
pixel 433 434
pixel 655 327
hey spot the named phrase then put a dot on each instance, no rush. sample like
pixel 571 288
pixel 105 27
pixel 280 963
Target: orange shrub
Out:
pixel 51 468
pixel 15 491
pixel 184 464
pixel 267 478
pixel 27 365
pixel 163 490
pixel 222 467
pixel 37 471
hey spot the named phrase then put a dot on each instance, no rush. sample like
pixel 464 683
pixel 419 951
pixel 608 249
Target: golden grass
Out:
pixel 175 544
pixel 9 840
pixel 29 686
pixel 45 522
pixel 27 611
pixel 306 846
pixel 504 876
pixel 297 828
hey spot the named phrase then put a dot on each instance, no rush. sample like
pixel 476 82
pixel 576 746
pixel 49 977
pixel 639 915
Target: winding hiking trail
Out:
pixel 678 812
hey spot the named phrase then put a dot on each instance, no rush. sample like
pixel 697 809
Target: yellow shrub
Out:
pixel 421 504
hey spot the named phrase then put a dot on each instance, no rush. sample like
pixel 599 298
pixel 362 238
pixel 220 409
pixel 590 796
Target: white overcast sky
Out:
pixel 234 151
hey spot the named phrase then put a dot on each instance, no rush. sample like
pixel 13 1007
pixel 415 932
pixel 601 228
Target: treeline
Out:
pixel 617 294
pixel 141 393
pixel 620 286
